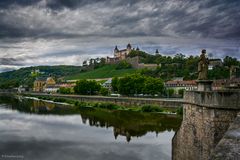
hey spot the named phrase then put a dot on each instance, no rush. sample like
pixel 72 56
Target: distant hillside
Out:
pixel 177 66
pixel 106 71
pixel 24 76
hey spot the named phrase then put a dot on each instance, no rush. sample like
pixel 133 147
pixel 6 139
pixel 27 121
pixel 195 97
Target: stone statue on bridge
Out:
pixel 203 66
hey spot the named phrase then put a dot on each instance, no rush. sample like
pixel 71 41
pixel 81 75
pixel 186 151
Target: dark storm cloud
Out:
pixel 51 32
pixel 8 3
pixel 10 62
pixel 214 19
pixel 231 52
pixel 60 4
pixel 53 4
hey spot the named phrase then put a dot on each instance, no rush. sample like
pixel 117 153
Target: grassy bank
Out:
pixel 111 106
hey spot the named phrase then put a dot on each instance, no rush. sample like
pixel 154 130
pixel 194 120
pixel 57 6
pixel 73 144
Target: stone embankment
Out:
pixel 125 101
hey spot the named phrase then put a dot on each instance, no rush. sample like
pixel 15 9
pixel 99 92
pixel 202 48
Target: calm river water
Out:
pixel 37 130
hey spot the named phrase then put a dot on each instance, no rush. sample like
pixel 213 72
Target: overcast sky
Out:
pixel 51 32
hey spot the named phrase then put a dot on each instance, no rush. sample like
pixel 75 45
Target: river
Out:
pixel 38 130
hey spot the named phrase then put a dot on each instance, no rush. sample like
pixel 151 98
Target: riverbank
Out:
pixel 77 103
pixel 123 101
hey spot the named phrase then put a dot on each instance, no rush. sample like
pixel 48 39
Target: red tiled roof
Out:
pixel 222 82
pixel 67 85
pixel 190 82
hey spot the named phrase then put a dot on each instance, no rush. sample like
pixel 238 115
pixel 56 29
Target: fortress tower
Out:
pixel 122 54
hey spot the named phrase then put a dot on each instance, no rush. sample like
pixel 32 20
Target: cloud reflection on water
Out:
pixel 66 137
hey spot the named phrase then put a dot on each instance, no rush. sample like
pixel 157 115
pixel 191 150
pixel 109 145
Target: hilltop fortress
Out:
pixel 119 54
pixel 122 54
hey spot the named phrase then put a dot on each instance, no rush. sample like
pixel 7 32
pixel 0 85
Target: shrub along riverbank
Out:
pixel 112 106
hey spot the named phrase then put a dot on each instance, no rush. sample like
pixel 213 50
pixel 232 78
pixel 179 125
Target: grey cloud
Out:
pixel 121 18
pixel 6 69
pixel 10 62
pixel 74 51
pixel 52 4
pixel 8 3
pixel 234 52
pixel 53 32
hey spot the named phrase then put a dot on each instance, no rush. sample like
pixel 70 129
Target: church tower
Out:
pixel 116 52
pixel 129 48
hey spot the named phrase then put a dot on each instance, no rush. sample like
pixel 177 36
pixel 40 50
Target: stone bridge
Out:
pixel 210 128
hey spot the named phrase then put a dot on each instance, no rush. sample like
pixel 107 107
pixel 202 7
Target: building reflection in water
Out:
pixel 123 132
pixel 131 124
pixel 123 123
pixel 127 124
pixel 41 105
pixel 200 131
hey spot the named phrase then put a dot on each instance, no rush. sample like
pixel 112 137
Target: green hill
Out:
pixel 23 76
pixel 106 71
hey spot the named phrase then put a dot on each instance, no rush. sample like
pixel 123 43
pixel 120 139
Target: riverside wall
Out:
pixel 125 101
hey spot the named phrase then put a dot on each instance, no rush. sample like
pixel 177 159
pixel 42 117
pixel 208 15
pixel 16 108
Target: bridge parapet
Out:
pixel 225 99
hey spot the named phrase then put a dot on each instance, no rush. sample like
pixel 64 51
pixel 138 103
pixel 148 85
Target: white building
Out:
pixel 51 89
pixel 108 84
pixel 179 85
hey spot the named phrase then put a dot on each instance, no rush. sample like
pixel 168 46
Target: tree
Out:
pixel 229 61
pixel 125 85
pixel 179 58
pixel 99 62
pixel 123 65
pixel 115 84
pixel 87 87
pixel 63 90
pixel 135 53
pixel 181 92
pixel 153 86
pixel 102 61
pixel 9 84
pixel 104 91
pixel 139 84
pixel 170 92
pixel 219 73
